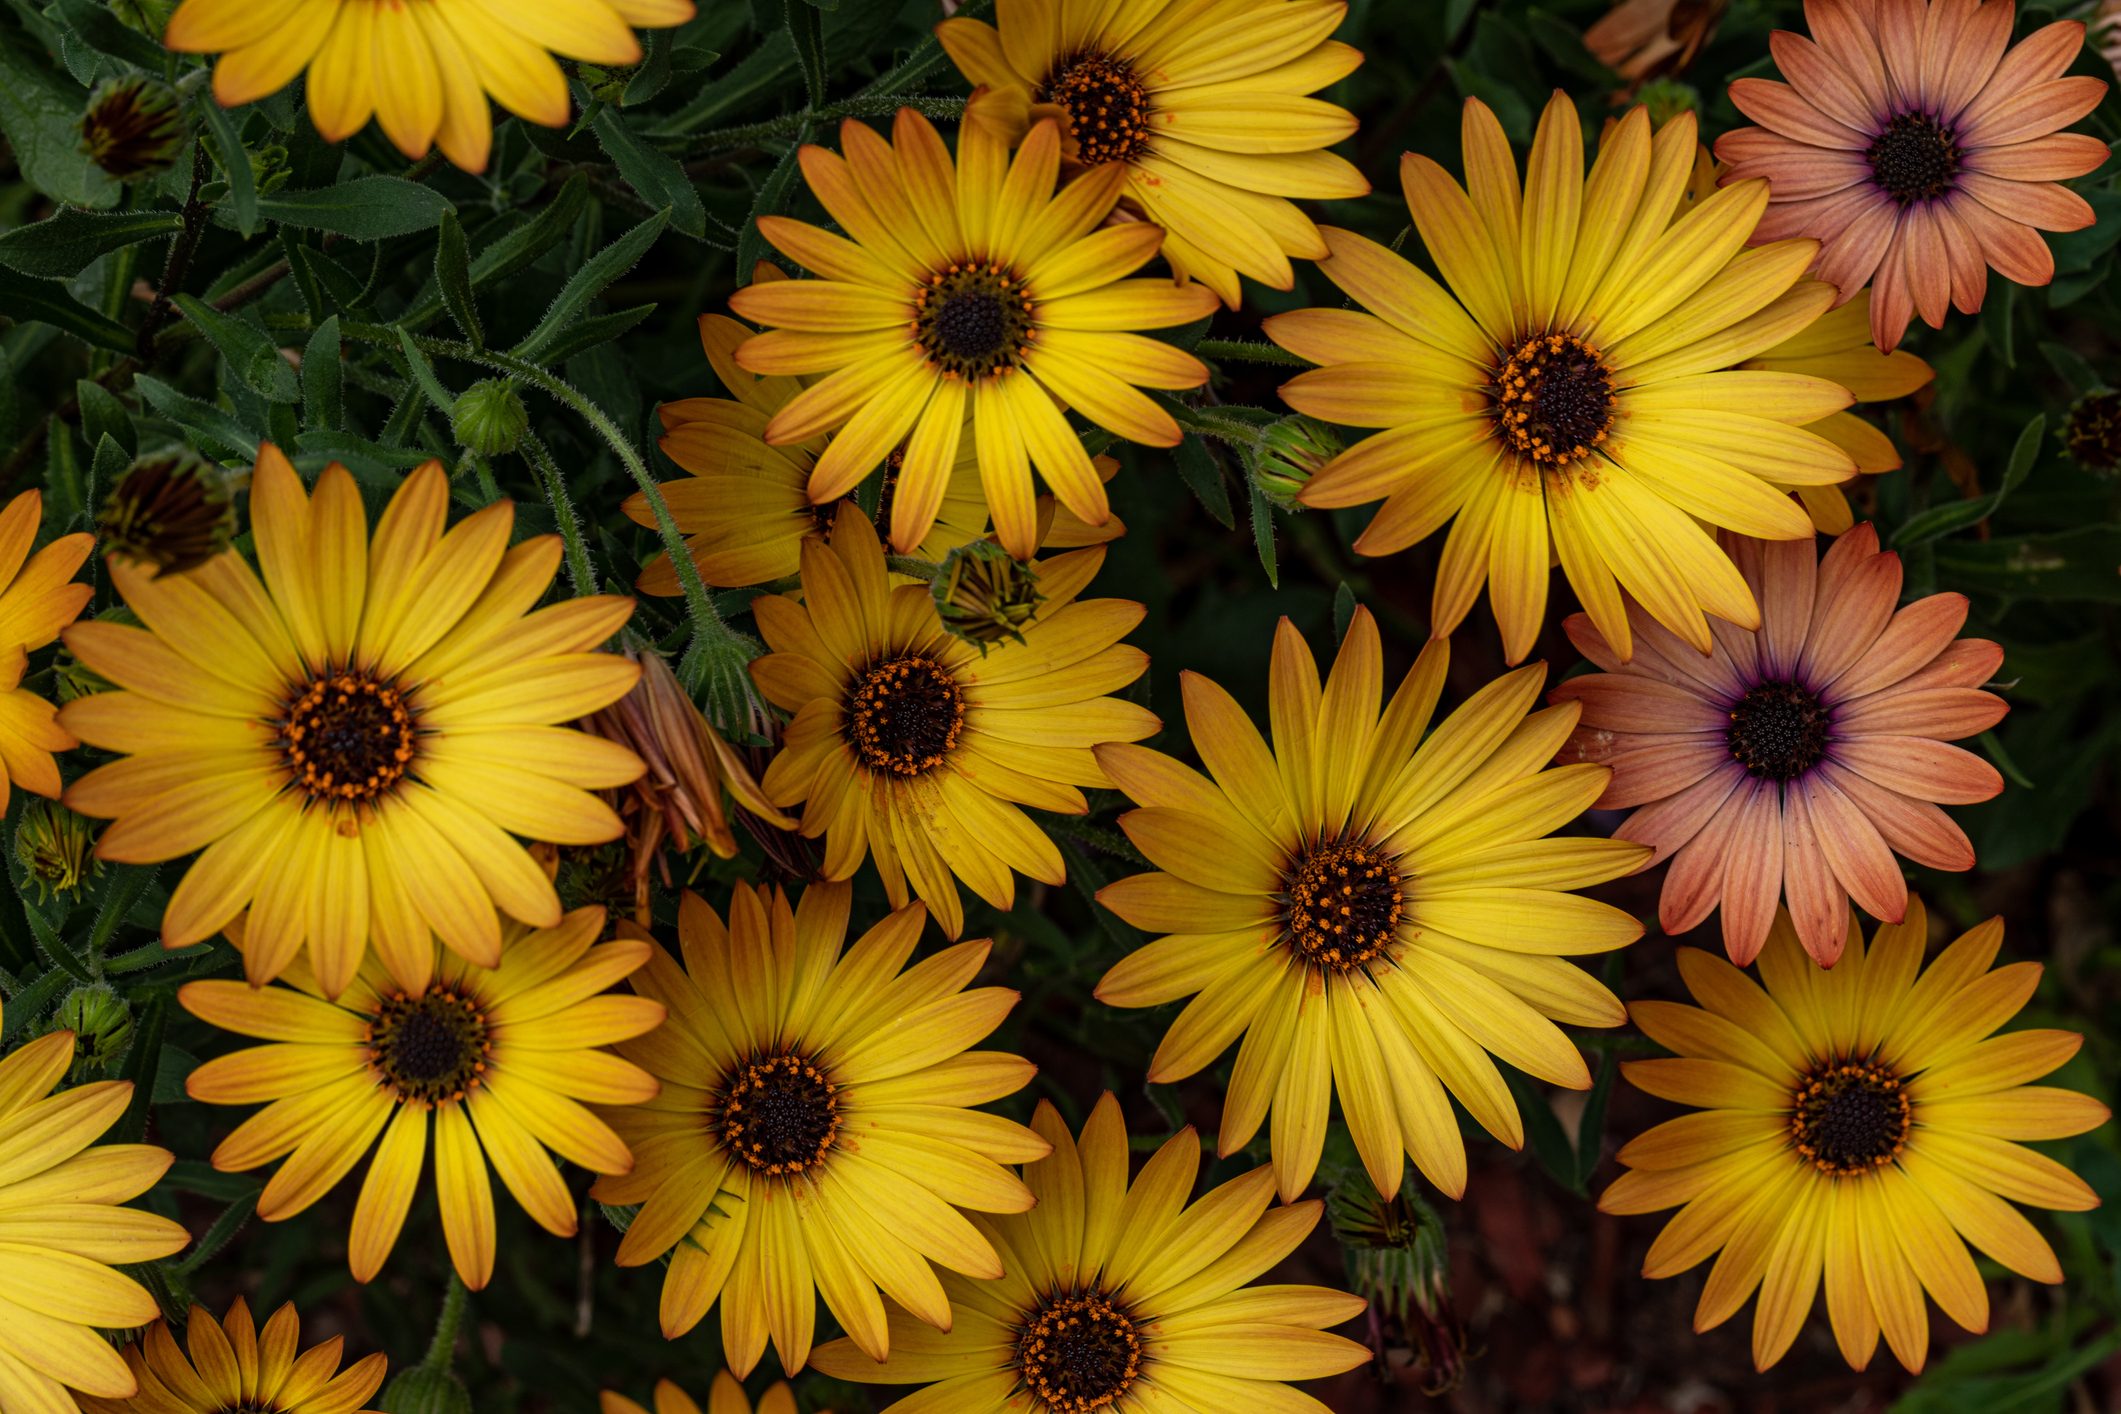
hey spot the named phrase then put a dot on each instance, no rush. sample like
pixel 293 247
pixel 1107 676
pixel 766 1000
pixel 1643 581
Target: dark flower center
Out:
pixel 905 715
pixel 1342 904
pixel 780 1114
pixel 1778 731
pixel 1108 108
pixel 1849 1117
pixel 348 737
pixel 2093 433
pixel 1078 1352
pixel 429 1048
pixel 1553 400
pixel 973 321
pixel 1914 159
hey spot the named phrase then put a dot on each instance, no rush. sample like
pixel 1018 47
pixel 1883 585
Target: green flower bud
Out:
pixel 1397 1259
pixel 2092 432
pixel 1667 98
pixel 102 1025
pixel 53 844
pixel 1291 453
pixel 490 419
pixel 426 1389
pixel 133 128
pixel 171 512
pixel 984 595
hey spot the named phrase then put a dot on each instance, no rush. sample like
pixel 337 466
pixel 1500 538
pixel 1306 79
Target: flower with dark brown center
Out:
pixel 172 512
pixel 1779 731
pixel 429 1048
pixel 1343 902
pixel 1553 400
pixel 1078 1352
pixel 973 321
pixel 905 714
pixel 133 128
pixel 1107 107
pixel 2092 434
pixel 1850 1117
pixel 1914 159
pixel 780 1114
pixel 348 737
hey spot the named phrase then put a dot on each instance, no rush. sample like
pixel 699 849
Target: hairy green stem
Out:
pixel 1248 351
pixel 875 105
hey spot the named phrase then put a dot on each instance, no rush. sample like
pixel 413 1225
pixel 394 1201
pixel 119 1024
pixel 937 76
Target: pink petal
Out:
pixel 1694 883
pixel 1919 767
pixel 1854 603
pixel 1660 651
pixel 2054 158
pixel 1966 662
pixel 1822 82
pixel 1928 268
pixel 2043 55
pixel 1818 905
pixel 1842 32
pixel 1667 824
pixel 2012 247
pixel 1852 251
pixel 1945 713
pixel 2045 206
pixel 1900 41
pixel 1914 828
pixel 1635 702
pixel 1780 108
pixel 1654 772
pixel 1783 574
pixel 1969 266
pixel 1752 880
pixel 1917 634
pixel 1591 643
pixel 1972 58
pixel 1855 852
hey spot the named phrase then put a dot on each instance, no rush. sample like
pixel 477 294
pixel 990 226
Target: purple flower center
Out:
pixel 1778 731
pixel 1914 159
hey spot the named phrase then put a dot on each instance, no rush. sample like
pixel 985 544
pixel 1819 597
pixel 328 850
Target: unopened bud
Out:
pixel 984 595
pixel 52 842
pixel 102 1025
pixel 426 1389
pixel 133 128
pixel 1667 98
pixel 490 418
pixel 171 512
pixel 1292 451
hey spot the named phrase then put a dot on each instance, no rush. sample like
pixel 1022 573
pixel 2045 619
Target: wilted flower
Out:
pixel 53 844
pixel 133 128
pixel 2092 432
pixel 1291 453
pixel 1642 39
pixel 1397 1261
pixel 984 595
pixel 490 418
pixel 102 1025
pixel 171 512
pixel 678 803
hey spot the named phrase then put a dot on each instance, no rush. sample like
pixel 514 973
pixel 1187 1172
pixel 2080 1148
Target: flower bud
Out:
pixel 133 128
pixel 1667 98
pixel 984 595
pixel 52 842
pixel 490 418
pixel 102 1025
pixel 171 512
pixel 2092 432
pixel 425 1389
pixel 1291 452
pixel 1397 1258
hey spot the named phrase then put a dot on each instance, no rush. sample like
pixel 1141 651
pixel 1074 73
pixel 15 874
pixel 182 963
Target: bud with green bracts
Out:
pixel 983 595
pixel 490 418
pixel 170 512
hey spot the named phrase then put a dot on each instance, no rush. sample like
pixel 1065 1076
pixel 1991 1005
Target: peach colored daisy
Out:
pixel 1919 149
pixel 1798 760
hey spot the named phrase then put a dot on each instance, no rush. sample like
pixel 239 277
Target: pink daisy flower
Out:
pixel 1793 761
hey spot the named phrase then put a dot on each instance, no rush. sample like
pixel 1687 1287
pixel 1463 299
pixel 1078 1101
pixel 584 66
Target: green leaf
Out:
pixel 772 197
pixel 222 435
pixel 1590 1128
pixel 103 415
pixel 25 298
pixel 453 279
pixel 142 1062
pixel 2070 365
pixel 423 373
pixel 1343 611
pixel 588 282
pixel 2060 567
pixel 806 30
pixel 1203 474
pixel 326 286
pixel 232 1221
pixel 585 334
pixel 101 30
pixel 1939 521
pixel 254 357
pixel 653 173
pixel 66 244
pixel 40 114
pixel 520 248
pixel 1542 1130
pixel 364 209
pixel 1263 534
pixel 227 148
pixel 653 75
pixel 323 379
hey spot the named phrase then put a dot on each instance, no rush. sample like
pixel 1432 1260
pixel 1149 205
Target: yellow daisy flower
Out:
pixel 422 71
pixel 1123 1298
pixel 38 597
pixel 499 1059
pixel 917 747
pixel 62 1232
pixel 745 508
pixel 815 1130
pixel 351 741
pixel 1857 1128
pixel 1373 913
pixel 1204 106
pixel 1574 392
pixel 233 1365
pixel 966 299
pixel 727 1397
